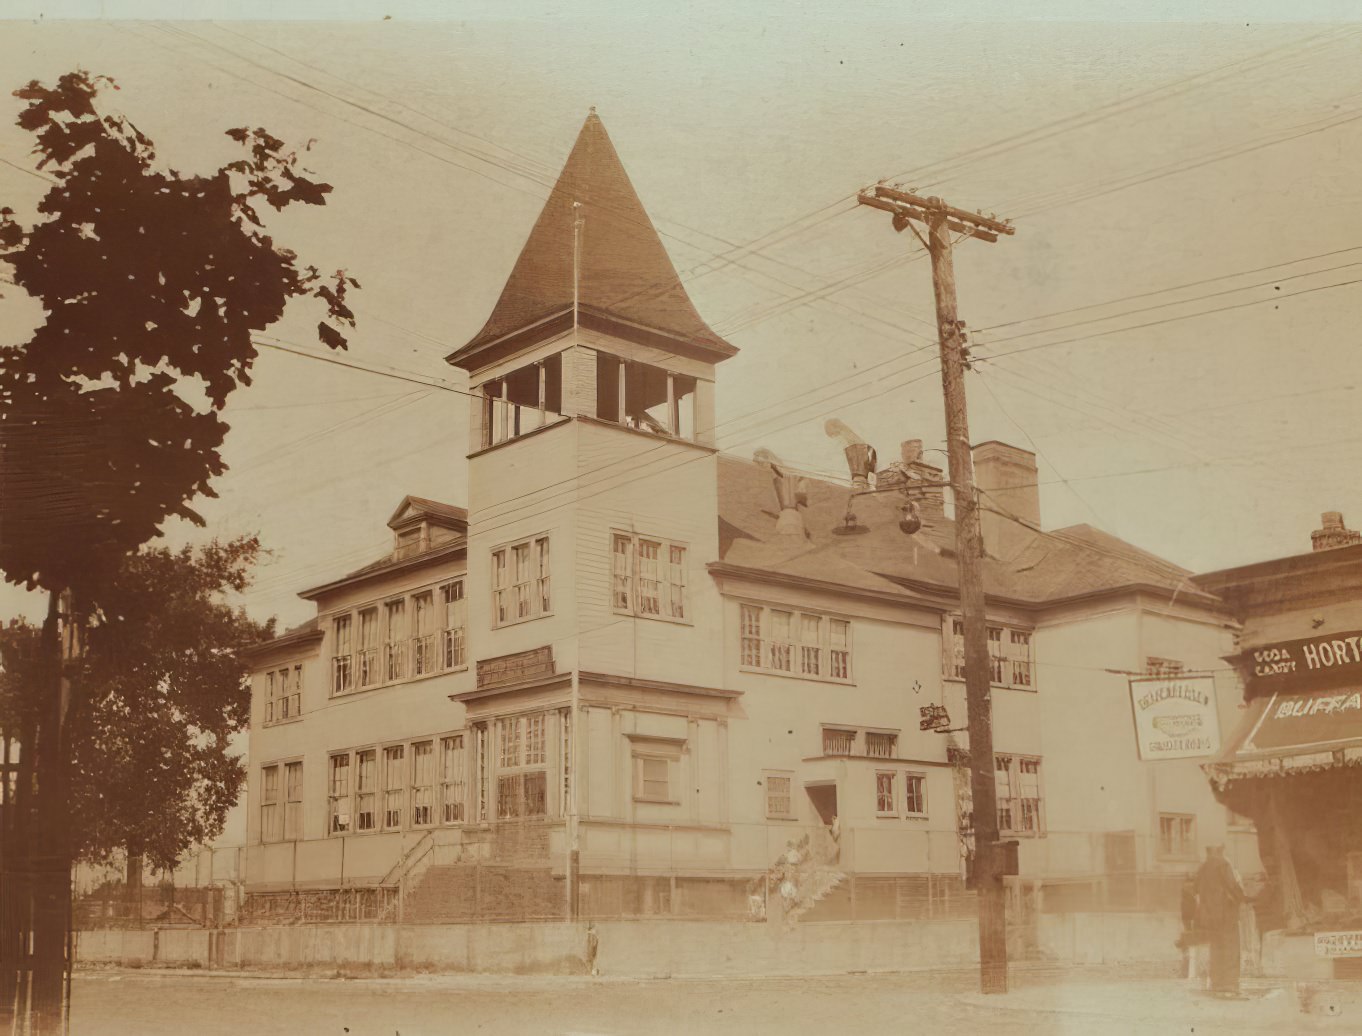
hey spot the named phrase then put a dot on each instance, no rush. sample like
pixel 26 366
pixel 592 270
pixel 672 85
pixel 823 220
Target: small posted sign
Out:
pixel 1338 944
pixel 1175 717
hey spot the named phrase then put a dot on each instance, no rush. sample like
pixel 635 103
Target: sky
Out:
pixel 1173 329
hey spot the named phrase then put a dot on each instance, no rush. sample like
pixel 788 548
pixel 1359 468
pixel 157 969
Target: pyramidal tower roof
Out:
pixel 625 281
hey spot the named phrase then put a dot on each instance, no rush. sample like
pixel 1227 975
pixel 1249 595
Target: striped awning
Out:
pixel 1292 733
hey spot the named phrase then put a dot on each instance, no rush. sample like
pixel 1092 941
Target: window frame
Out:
pixel 1009 668
pixel 892 810
pixel 517 763
pixel 271 829
pixel 760 638
pixel 1186 847
pixel 665 577
pixel 767 776
pixel 537 585
pixel 1016 802
pixel 283 694
pixel 916 778
pixel 294 819
pixel 645 748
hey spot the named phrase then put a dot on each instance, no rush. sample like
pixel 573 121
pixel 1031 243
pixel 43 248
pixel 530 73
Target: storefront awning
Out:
pixel 1290 733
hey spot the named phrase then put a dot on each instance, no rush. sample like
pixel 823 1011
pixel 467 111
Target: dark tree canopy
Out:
pixel 153 282
pixel 162 687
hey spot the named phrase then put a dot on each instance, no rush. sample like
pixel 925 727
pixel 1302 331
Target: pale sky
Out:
pixel 1175 153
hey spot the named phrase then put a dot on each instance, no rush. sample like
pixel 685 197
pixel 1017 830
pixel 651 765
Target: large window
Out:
pixel 657 765
pixel 795 643
pixel 422 784
pixel 1009 655
pixel 644 397
pixel 649 576
pixel 1017 782
pixel 395 639
pixel 453 768
pixel 453 644
pixel 394 786
pixel 520 581
pixel 293 801
pixel 339 795
pixel 271 815
pixel 368 647
pixel 522 770
pixel 366 790
pixel 342 669
pixel 423 657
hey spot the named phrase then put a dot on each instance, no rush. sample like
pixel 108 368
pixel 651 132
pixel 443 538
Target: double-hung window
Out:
pixel 271 819
pixel 338 795
pixel 915 794
pixel 1018 791
pixel 648 576
pixel 422 784
pixel 395 644
pixel 342 671
pixel 453 647
pixel 283 693
pixel 798 643
pixel 423 657
pixel 293 801
pixel 885 798
pixel 521 581
pixel 368 648
pixel 394 786
pixel 366 790
pixel 453 768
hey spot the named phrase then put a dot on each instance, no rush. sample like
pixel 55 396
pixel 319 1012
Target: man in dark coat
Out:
pixel 1219 896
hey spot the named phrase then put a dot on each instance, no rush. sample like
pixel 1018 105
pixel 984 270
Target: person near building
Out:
pixel 1219 899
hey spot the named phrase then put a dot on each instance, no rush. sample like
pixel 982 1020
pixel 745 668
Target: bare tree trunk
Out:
pixel 52 873
pixel 132 887
pixel 16 904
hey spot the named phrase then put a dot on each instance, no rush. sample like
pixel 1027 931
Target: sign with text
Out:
pixel 1175 717
pixel 1338 944
pixel 1299 663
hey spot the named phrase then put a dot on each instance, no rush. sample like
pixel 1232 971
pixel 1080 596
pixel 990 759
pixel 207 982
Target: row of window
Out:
pixel 875 744
pixel 1009 655
pixel 420 633
pixel 520 582
pixel 648 577
pixel 283 693
pixel 794 642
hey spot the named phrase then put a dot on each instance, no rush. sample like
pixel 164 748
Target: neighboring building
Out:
pixel 1294 762
pixel 635 670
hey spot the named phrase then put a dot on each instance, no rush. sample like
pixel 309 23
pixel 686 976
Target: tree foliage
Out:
pixel 153 282
pixel 162 687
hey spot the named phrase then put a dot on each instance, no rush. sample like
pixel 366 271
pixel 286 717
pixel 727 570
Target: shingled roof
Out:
pixel 1060 564
pixel 623 271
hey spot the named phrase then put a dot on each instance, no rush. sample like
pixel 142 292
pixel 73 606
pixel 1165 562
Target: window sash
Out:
pixel 837 741
pixel 394 647
pixel 341 820
pixel 884 791
pixel 453 650
pixel 915 794
pixel 453 762
pixel 366 791
pixel 654 778
pixel 880 745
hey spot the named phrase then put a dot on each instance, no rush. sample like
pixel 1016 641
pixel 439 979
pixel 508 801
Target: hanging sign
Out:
pixel 1338 944
pixel 934 717
pixel 1175 717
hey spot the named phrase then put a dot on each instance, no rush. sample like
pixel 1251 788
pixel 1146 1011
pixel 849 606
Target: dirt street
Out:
pixel 158 1003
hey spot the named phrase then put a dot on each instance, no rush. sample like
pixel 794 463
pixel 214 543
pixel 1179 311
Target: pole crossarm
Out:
pixel 904 205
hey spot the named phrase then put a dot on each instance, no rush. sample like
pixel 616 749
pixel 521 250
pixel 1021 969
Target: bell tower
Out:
pixel 593 419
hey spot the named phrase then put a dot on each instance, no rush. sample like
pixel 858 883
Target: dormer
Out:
pixel 593 322
pixel 420 525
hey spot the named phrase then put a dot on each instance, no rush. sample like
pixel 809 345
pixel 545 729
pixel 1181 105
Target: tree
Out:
pixel 153 282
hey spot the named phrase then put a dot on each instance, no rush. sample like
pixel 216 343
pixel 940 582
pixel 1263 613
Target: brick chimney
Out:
pixel 1006 477
pixel 1333 533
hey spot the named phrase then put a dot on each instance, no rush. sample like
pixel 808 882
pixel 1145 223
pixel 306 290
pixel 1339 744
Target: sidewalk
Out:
pixel 1173 1006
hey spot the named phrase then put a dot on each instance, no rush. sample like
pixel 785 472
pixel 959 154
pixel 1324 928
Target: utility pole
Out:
pixel 940 221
